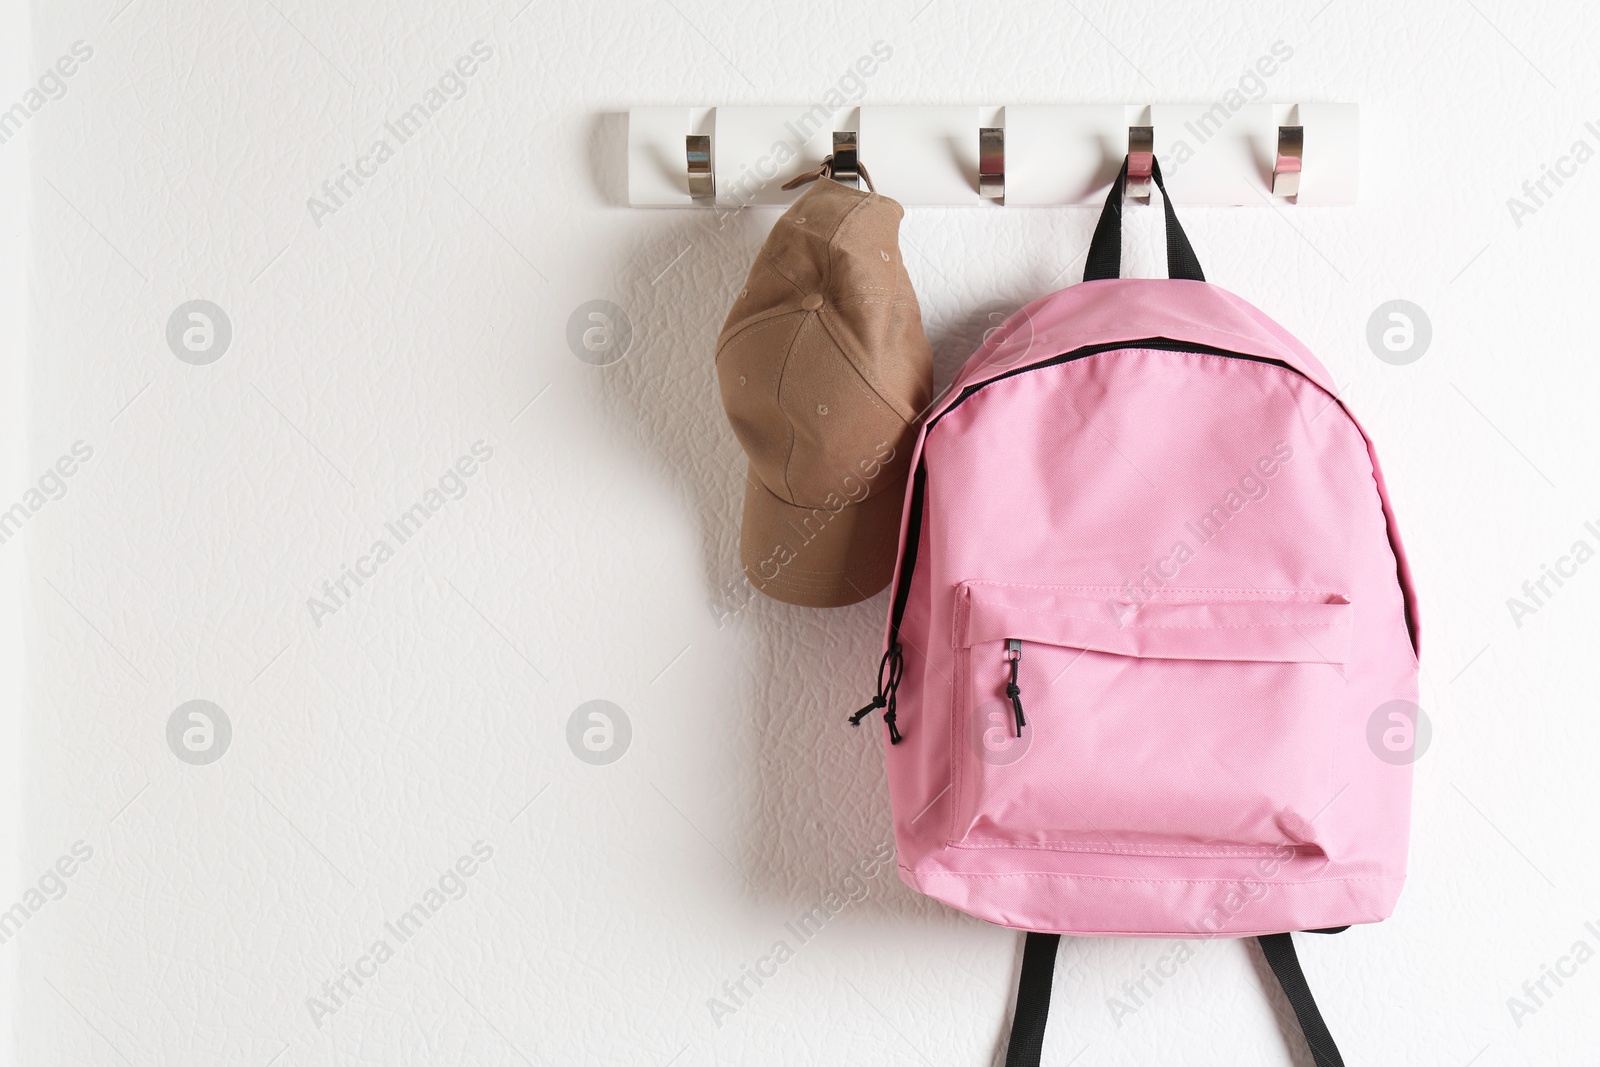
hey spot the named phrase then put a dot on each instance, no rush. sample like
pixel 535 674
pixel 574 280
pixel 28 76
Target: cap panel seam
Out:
pixel 762 263
pixel 771 321
pixel 827 237
pixel 789 424
pixel 844 219
pixel 876 298
pixel 899 284
pixel 776 267
pixel 907 420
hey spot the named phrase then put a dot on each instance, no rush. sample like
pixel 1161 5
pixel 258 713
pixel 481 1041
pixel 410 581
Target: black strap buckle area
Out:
pixel 1038 970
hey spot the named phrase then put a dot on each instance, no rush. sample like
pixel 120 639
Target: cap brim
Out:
pixel 818 558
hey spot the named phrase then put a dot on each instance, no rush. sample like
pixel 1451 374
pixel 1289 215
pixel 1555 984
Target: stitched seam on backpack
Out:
pixel 1149 850
pixel 1185 625
pixel 1261 596
pixel 1149 881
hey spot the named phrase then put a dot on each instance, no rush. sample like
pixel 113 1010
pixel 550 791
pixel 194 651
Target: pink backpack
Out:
pixel 1149 608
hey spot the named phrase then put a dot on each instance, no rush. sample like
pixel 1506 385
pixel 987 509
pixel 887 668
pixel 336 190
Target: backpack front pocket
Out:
pixel 1193 723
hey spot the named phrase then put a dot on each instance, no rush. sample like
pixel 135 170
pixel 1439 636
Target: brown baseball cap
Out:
pixel 825 371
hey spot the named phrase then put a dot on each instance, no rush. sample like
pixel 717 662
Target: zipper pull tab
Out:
pixel 877 702
pixel 1014 691
pixel 890 668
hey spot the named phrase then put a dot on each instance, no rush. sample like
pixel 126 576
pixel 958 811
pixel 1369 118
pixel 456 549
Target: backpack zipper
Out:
pixel 892 666
pixel 1014 656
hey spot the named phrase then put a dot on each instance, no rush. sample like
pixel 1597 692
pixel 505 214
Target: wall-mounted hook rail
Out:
pixel 1029 155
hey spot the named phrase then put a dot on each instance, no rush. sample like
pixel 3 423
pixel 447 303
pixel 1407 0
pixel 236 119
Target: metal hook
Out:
pixel 991 162
pixel 845 167
pixel 702 182
pixel 1141 157
pixel 1286 168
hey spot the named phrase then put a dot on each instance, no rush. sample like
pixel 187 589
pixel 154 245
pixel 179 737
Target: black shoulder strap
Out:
pixel 1279 950
pixel 1038 969
pixel 1033 1000
pixel 1105 248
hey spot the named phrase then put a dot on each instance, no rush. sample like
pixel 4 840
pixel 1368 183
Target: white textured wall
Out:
pixel 592 555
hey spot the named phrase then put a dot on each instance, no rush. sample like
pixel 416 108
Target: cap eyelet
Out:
pixel 884 254
pixel 822 409
pixel 743 380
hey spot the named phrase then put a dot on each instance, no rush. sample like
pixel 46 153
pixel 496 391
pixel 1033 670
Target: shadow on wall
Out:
pixel 810 787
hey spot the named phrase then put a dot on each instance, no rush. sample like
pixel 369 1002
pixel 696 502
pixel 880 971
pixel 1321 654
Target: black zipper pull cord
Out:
pixel 877 702
pixel 890 668
pixel 1014 691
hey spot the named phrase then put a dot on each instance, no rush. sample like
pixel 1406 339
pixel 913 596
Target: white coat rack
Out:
pixel 1031 155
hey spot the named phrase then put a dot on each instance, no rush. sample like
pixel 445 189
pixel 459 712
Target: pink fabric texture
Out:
pixel 1193 558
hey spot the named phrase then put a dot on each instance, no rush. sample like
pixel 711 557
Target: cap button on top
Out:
pixel 812 301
